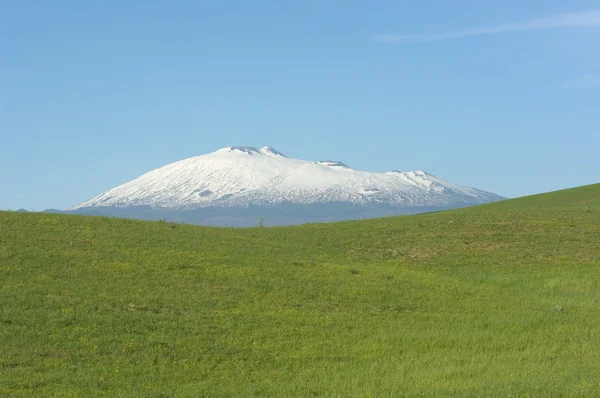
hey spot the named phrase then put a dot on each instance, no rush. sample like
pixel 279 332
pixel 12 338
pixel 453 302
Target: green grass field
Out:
pixel 458 303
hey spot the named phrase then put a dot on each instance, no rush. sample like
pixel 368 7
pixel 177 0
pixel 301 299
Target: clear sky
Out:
pixel 499 95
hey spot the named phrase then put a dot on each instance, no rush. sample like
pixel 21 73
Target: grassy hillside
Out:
pixel 459 303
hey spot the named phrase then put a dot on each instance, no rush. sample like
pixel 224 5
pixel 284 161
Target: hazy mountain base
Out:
pixel 278 215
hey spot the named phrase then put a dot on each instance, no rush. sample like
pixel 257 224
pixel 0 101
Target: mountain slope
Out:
pixel 246 176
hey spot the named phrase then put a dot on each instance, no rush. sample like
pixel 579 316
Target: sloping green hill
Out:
pixel 459 303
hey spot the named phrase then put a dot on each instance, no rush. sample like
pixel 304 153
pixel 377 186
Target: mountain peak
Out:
pixel 268 150
pixel 419 173
pixel 250 150
pixel 241 149
pixel 335 163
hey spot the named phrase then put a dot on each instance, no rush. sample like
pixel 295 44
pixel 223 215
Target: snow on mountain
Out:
pixel 248 176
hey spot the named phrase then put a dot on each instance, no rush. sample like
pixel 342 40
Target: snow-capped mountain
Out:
pixel 239 177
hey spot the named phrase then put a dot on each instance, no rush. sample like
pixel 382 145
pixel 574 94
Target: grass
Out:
pixel 456 303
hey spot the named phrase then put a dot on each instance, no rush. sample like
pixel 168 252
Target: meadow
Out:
pixel 494 300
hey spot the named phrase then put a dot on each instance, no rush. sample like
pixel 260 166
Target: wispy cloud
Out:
pixel 568 20
pixel 585 81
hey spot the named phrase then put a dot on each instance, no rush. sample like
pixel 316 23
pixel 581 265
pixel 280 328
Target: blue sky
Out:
pixel 501 96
